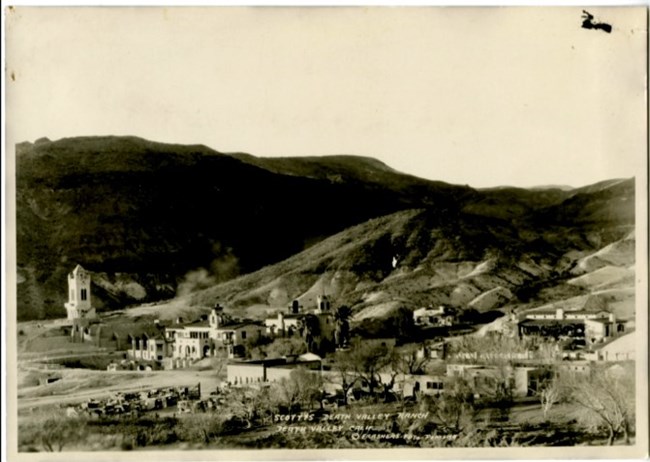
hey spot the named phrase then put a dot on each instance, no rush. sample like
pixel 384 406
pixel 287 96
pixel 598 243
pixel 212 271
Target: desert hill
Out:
pixel 150 213
pixel 417 258
pixel 153 221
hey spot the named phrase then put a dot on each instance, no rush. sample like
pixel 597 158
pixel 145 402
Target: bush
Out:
pixel 53 432
pixel 201 428
pixel 149 432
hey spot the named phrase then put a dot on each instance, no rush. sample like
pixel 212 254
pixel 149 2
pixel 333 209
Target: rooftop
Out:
pixel 550 322
pixel 566 312
pixel 239 325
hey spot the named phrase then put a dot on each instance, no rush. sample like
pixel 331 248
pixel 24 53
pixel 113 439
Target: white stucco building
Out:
pixel 434 317
pixel 286 324
pixel 202 338
pixel 79 304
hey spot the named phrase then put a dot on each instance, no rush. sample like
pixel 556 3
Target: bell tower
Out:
pixel 79 305
pixel 322 304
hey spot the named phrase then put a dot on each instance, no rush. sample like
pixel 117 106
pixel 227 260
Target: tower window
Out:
pixel 84 294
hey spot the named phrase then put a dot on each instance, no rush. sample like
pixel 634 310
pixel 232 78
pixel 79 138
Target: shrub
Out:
pixel 52 433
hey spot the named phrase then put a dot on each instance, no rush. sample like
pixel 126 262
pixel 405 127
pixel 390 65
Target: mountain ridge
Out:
pixel 154 216
pixel 159 211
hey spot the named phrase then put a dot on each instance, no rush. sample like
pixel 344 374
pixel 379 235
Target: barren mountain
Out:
pixel 152 213
pixel 153 221
pixel 417 258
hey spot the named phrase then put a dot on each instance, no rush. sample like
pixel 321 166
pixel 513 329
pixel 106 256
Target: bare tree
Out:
pixel 285 393
pixel 344 373
pixel 549 394
pixel 606 397
pixel 57 432
pixel 408 360
pixel 249 404
pixel 370 358
pixel 455 408
pixel 375 364
pixel 301 388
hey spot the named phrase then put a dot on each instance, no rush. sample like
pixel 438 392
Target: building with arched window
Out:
pixel 204 337
pixel 79 305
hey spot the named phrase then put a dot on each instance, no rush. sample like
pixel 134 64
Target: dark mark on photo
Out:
pixel 588 23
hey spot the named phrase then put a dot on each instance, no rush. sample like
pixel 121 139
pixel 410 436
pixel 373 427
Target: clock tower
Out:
pixel 79 306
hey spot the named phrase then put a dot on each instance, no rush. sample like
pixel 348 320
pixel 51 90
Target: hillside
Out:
pixel 416 258
pixel 153 221
pixel 151 214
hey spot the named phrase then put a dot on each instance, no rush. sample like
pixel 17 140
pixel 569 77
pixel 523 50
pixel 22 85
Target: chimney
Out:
pixel 179 320
pixel 295 307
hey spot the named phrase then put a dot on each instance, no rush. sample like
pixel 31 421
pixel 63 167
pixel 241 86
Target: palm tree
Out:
pixel 342 331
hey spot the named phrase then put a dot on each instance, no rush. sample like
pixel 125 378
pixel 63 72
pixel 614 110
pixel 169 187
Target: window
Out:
pixel 84 294
pixel 243 334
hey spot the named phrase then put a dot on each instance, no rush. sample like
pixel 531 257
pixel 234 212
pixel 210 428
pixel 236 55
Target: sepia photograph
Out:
pixel 317 233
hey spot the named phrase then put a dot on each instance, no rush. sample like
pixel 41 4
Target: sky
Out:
pixel 484 97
